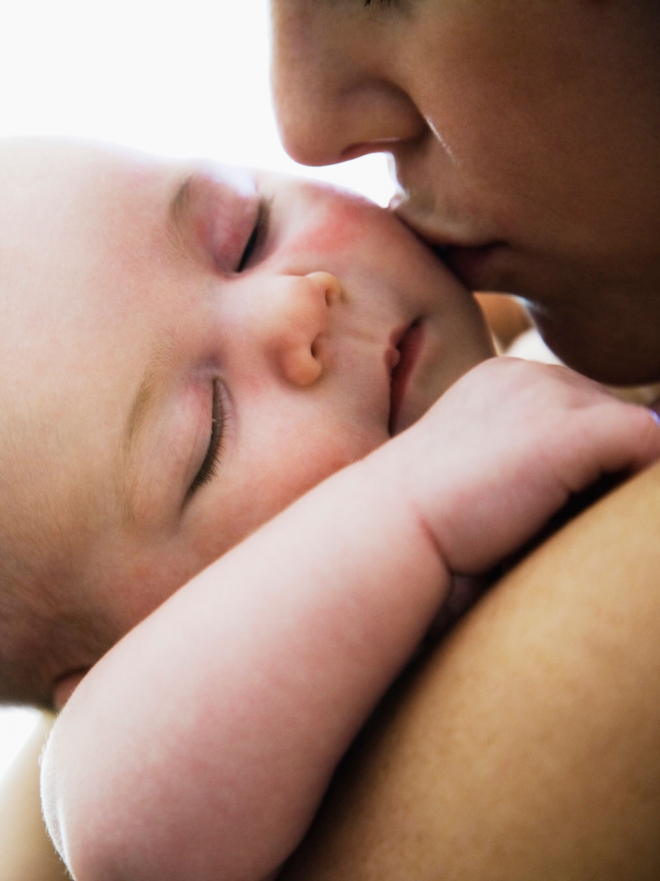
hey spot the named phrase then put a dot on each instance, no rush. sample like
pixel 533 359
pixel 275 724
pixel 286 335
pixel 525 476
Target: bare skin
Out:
pixel 211 730
pixel 525 747
pixel 158 219
pixel 544 741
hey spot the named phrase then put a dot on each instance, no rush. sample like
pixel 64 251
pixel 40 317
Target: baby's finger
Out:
pixel 621 439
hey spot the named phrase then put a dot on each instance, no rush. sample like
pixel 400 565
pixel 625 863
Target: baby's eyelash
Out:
pixel 212 457
pixel 257 236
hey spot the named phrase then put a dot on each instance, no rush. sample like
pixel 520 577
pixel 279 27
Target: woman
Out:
pixel 525 141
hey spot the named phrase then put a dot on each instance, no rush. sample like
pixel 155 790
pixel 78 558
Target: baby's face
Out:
pixel 186 349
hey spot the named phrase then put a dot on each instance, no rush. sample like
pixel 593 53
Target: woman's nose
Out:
pixel 331 103
pixel 294 316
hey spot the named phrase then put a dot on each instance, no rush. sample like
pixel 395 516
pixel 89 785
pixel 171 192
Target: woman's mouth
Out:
pixel 405 357
pixel 473 257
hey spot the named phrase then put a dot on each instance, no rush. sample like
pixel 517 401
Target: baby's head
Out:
pixel 186 349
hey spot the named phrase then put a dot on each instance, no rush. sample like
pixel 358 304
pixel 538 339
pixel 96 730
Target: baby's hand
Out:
pixel 505 448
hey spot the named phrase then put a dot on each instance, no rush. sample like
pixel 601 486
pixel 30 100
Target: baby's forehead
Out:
pixel 53 190
pixel 36 178
pixel 52 201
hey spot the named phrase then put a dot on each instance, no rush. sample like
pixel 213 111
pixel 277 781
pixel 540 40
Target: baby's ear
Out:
pixel 506 317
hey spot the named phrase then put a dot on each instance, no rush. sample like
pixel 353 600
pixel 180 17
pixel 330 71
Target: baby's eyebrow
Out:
pixel 140 409
pixel 161 356
pixel 179 205
pixel 137 414
pixel 179 202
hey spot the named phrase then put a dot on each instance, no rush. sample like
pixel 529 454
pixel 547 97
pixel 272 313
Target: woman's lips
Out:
pixel 403 362
pixel 470 256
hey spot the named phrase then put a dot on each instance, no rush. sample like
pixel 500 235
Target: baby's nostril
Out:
pixel 329 285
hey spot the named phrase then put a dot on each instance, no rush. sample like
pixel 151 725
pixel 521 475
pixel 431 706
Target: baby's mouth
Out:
pixel 406 354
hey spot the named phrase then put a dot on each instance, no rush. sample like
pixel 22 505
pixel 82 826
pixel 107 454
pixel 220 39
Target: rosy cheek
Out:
pixel 337 231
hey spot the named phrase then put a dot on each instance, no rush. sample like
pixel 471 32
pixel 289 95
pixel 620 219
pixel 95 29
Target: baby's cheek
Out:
pixel 335 232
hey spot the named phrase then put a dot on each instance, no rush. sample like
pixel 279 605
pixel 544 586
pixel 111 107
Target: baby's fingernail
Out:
pixel 655 416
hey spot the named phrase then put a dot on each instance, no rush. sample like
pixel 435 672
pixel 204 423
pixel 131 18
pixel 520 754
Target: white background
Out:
pixel 181 78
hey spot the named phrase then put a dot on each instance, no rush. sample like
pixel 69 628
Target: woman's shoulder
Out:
pixel 524 745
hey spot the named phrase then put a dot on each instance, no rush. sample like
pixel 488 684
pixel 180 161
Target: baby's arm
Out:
pixel 201 745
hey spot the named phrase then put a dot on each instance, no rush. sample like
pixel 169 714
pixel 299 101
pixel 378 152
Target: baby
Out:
pixel 189 351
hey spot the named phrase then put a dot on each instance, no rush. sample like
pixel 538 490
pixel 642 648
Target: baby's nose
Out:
pixel 299 319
